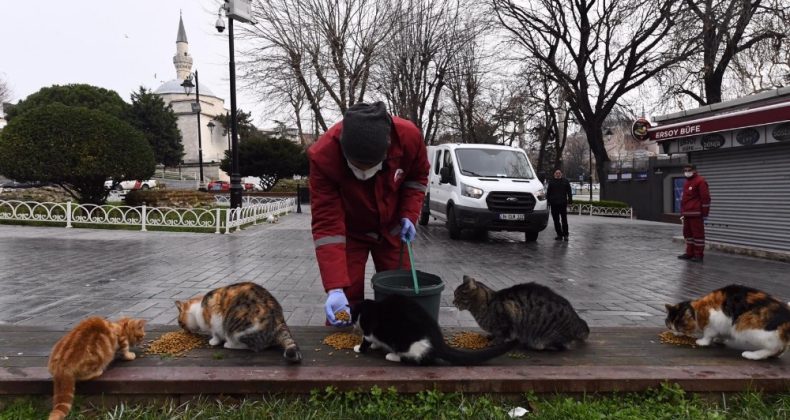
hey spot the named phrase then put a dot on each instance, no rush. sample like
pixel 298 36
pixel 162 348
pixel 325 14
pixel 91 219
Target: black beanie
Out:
pixel 365 135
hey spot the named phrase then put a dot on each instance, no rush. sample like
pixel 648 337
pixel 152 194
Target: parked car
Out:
pixel 225 186
pixel 131 185
pixel 484 187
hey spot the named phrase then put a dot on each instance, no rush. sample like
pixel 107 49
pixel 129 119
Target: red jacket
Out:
pixel 695 201
pixel 342 205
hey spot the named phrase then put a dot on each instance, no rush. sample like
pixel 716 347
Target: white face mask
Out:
pixel 366 174
pixel 688 174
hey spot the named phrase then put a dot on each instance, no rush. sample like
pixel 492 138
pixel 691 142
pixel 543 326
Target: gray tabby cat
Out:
pixel 533 314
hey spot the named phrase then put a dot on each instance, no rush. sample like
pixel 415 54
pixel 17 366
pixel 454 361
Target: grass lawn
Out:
pixel 669 402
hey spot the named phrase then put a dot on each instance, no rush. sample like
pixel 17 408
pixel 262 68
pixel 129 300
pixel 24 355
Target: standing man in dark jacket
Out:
pixel 368 176
pixel 559 194
pixel 694 208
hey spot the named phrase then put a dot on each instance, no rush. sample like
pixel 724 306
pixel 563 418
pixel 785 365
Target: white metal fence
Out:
pixel 589 209
pixel 144 216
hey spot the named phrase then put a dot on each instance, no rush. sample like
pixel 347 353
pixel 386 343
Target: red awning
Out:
pixel 769 114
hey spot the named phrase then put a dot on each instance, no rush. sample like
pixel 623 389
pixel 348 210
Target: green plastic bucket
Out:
pixel 401 282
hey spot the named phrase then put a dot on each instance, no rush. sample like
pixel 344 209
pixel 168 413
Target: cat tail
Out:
pixel 471 357
pixel 583 330
pixel 63 396
pixel 286 340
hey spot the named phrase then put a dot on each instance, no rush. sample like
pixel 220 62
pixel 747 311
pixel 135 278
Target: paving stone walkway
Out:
pixel 616 272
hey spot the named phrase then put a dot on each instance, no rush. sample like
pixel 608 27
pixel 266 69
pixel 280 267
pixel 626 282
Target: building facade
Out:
pixel 214 142
pixel 742 147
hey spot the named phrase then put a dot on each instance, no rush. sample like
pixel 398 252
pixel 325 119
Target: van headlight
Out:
pixel 470 191
pixel 541 194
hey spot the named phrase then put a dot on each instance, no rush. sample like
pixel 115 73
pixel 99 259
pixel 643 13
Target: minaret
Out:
pixel 182 59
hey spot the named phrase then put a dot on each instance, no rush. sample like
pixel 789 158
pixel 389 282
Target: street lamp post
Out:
pixel 227 118
pixel 608 135
pixel 211 126
pixel 234 10
pixel 188 85
pixel 590 148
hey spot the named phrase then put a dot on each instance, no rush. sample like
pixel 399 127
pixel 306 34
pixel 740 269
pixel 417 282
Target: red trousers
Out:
pixel 386 256
pixel 694 233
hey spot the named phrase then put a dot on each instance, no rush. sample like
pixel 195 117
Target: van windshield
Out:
pixel 493 163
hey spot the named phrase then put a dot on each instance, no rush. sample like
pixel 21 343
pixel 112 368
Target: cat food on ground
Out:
pixel 468 340
pixel 176 343
pixel 668 337
pixel 342 316
pixel 342 341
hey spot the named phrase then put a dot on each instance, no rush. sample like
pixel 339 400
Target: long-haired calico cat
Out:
pixel 739 316
pixel 85 352
pixel 408 333
pixel 530 313
pixel 242 315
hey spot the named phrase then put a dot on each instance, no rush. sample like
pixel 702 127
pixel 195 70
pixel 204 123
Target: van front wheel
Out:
pixel 531 236
pixel 425 214
pixel 452 224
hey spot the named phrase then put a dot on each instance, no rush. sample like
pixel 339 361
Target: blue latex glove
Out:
pixel 335 302
pixel 407 230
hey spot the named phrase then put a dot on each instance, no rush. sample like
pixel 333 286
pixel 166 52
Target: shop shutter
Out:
pixel 750 195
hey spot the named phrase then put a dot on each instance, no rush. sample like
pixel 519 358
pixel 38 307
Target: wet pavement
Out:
pixel 616 272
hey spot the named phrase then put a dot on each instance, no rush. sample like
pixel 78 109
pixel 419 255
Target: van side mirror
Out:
pixel 444 175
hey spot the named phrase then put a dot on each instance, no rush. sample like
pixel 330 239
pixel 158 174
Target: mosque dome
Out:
pixel 174 86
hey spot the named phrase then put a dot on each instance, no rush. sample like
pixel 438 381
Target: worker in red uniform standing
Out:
pixel 368 177
pixel 694 209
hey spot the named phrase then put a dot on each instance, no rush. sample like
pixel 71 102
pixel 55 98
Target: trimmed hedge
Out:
pixel 170 198
pixel 607 203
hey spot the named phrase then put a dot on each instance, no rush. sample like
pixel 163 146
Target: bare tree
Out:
pixel 464 83
pixel 723 30
pixel 595 51
pixel 415 59
pixel 766 65
pixel 576 162
pixel 5 92
pixel 333 43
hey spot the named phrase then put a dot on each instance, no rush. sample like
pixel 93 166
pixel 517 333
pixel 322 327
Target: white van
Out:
pixel 484 187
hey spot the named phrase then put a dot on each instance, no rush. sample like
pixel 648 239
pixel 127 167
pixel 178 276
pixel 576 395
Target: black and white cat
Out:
pixel 409 335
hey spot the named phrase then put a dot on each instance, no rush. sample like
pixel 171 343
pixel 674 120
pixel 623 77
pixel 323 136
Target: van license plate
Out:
pixel 511 216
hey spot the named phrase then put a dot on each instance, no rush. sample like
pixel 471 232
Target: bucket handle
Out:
pixel 411 261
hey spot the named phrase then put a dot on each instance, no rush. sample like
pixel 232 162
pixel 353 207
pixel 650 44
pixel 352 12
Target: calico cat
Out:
pixel 409 334
pixel 738 316
pixel 243 315
pixel 85 352
pixel 530 313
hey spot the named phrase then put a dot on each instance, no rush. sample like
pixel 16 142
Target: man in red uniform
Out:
pixel 694 208
pixel 368 177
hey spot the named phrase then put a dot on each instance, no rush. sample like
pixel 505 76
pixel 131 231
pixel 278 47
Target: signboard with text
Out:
pixel 744 137
pixel 734 121
pixel 640 129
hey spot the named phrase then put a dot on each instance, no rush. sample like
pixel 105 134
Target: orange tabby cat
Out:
pixel 85 352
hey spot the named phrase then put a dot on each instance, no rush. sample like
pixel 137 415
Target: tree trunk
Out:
pixel 594 132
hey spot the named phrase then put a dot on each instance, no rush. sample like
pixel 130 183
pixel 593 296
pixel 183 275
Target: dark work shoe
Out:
pixel 685 257
pixel 695 259
pixel 566 238
pixel 558 238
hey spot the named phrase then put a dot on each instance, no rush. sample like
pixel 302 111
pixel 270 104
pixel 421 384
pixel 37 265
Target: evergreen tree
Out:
pixel 270 159
pixel 158 123
pixel 74 147
pixel 83 95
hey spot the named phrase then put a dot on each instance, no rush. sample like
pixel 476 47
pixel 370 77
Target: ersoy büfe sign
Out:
pixel 688 130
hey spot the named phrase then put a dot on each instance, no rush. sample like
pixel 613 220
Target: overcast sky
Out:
pixel 117 44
